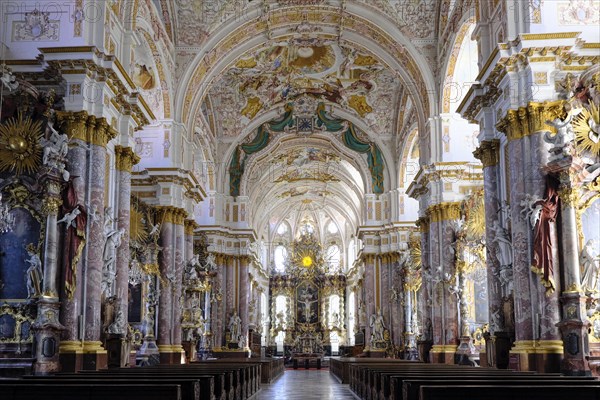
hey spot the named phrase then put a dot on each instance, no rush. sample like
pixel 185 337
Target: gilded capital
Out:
pixel 73 124
pixel 189 226
pixel 526 121
pixel 488 153
pixel 125 158
pixel 50 205
pixel 99 132
pixel 447 211
pixel 172 215
pixel 423 224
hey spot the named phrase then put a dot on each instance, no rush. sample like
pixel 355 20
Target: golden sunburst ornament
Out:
pixel 20 149
pixel 587 129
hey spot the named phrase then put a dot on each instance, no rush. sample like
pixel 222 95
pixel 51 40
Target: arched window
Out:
pixel 332 228
pixel 307 229
pixel 351 252
pixel 280 257
pixel 282 229
pixel 351 319
pixel 333 258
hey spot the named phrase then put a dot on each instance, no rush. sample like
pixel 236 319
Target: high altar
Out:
pixel 307 303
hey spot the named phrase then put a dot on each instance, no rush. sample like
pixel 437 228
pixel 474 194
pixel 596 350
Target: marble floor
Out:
pixel 305 385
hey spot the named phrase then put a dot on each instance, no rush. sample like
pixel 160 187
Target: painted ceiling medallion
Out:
pixel 20 149
pixel 587 129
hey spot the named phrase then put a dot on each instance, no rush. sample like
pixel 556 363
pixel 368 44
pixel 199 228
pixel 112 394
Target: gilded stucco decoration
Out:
pixel 295 67
pixel 20 149
pixel 587 129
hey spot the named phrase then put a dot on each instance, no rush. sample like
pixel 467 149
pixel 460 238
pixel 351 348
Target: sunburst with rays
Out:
pixel 475 216
pixel 20 149
pixel 138 229
pixel 587 129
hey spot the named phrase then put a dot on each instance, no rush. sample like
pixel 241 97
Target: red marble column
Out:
pixel 180 251
pixel 95 356
pixel 167 271
pixel 71 345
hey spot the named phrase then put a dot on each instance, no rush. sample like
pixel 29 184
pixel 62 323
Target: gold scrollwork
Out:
pixel 20 315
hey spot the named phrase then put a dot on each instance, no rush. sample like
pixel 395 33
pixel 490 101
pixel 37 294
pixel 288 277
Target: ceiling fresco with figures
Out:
pixel 291 68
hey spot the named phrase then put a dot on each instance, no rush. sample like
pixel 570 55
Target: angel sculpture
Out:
pixel 531 209
pixel 69 218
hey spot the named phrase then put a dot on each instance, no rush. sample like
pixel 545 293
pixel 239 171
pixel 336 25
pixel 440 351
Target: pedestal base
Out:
pixel 148 354
pixel 95 356
pixel 466 353
pixel 118 349
pixel 443 353
pixel 536 355
pixel 170 354
pixel 189 347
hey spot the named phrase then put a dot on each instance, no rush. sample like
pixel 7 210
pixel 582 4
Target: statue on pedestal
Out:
pixel 34 273
pixel 378 327
pixel 235 327
pixel 590 264
pixel 113 241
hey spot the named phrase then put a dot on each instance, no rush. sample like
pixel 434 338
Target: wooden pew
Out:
pixel 216 387
pixel 411 387
pixel 507 391
pixel 196 388
pixel 91 392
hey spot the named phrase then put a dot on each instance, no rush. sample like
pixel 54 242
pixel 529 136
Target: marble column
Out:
pixel 445 305
pixel 537 345
pixel 47 327
pixel 244 286
pixel 125 160
pixel 574 325
pixel 177 293
pixel 218 308
pixel 71 345
pixel 425 293
pixel 501 327
pixel 230 291
pixel 94 355
pixel 369 288
pixel 166 266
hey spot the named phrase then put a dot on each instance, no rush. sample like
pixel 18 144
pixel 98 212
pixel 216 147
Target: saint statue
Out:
pixel 378 326
pixel 235 327
pixel 34 273
pixel 113 241
pixel 118 325
pixel 590 264
pixel 503 245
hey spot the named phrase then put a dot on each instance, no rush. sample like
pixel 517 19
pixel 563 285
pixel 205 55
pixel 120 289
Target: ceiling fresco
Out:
pixel 197 20
pixel 295 67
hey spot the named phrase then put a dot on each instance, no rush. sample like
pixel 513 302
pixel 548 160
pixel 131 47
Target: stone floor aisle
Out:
pixel 305 385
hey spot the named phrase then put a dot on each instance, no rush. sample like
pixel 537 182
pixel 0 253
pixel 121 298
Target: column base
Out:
pixel 95 356
pixel 536 355
pixel 170 354
pixel 71 355
pixel 442 353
